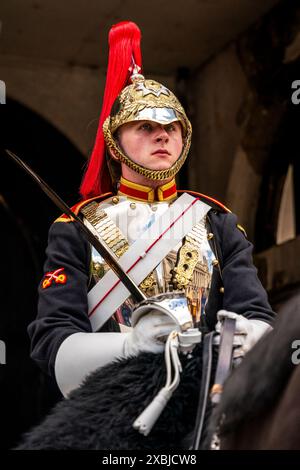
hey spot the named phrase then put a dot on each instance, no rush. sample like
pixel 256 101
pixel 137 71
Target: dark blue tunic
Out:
pixel 63 307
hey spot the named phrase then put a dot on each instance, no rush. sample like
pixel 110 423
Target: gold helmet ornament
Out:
pixel 142 99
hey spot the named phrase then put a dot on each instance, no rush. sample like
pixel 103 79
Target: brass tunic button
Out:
pixel 215 262
pixel 222 290
pixel 210 236
pixel 132 205
pixel 115 200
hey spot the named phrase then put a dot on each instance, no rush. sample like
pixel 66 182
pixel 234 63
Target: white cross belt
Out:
pixel 144 255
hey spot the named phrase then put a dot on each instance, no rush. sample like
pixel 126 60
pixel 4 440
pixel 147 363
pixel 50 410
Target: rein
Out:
pixel 223 369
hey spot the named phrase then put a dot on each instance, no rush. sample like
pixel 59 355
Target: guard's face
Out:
pixel 150 144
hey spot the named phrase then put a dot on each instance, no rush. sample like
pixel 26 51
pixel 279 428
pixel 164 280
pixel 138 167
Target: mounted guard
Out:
pixel 184 251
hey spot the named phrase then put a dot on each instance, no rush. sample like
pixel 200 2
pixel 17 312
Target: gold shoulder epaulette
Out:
pixel 214 203
pixel 76 208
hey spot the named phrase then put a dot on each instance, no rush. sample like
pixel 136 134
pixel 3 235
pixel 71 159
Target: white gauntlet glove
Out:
pixel 82 353
pixel 149 334
pixel 247 332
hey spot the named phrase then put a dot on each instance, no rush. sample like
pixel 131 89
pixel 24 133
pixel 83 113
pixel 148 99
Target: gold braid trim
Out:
pixel 188 256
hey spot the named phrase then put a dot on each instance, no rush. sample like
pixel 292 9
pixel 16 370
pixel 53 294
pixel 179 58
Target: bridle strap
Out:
pixel 224 359
pixel 204 389
pixel 222 372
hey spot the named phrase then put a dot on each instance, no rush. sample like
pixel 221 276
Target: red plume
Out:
pixel 124 45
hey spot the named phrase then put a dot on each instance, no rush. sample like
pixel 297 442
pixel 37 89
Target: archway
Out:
pixel 283 163
pixel 26 215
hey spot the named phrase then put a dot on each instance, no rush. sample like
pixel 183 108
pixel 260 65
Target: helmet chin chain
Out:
pixel 157 175
pixel 182 339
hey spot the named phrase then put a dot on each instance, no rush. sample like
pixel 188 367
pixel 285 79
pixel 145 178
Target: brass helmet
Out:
pixel 151 101
pixel 128 97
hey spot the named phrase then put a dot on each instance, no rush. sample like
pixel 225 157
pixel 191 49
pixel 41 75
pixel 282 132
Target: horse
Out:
pixel 99 415
pixel 260 407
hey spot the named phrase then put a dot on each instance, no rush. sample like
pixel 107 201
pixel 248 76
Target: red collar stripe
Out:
pixel 151 195
pixel 169 192
pixel 133 192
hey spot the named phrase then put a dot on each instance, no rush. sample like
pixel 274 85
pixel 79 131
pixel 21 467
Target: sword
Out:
pixel 108 256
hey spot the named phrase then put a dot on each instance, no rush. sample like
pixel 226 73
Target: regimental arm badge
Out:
pixel 57 277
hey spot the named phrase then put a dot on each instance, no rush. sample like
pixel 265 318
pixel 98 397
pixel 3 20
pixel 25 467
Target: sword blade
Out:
pixel 108 256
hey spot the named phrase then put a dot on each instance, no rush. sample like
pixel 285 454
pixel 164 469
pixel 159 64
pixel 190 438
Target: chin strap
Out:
pixel 185 342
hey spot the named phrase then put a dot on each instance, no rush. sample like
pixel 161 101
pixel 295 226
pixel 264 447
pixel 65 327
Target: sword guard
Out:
pixel 174 304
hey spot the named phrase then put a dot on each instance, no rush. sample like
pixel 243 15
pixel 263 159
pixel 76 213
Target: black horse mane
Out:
pixel 100 413
pixel 259 380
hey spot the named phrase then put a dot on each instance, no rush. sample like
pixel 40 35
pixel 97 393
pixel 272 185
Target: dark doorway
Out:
pixel 284 154
pixel 26 215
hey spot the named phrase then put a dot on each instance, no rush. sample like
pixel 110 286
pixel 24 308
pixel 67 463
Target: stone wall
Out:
pixel 69 97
